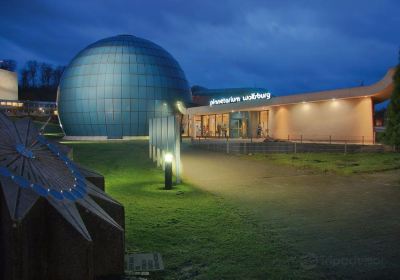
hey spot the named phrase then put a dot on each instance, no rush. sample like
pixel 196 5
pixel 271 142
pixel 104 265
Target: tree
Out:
pixel 32 67
pixel 57 73
pixel 39 81
pixel 392 133
pixel 24 78
pixel 46 74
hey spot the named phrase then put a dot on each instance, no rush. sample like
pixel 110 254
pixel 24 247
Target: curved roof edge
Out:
pixel 379 91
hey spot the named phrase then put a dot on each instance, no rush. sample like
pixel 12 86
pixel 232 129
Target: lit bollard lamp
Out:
pixel 168 171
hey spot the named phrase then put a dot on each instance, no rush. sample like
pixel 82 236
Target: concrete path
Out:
pixel 349 226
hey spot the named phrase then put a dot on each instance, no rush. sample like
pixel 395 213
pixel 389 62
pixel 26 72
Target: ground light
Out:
pixel 168 170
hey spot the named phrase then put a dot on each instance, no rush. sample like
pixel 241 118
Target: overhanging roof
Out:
pixel 380 91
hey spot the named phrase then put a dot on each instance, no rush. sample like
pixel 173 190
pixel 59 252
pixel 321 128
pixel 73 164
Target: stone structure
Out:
pixel 55 220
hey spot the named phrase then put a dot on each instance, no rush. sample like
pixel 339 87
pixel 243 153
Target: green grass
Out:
pixel 336 163
pixel 52 130
pixel 200 235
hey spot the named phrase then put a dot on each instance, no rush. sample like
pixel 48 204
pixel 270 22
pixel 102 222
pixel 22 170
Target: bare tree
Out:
pixel 24 78
pixel 46 74
pixel 57 74
pixel 39 81
pixel 32 67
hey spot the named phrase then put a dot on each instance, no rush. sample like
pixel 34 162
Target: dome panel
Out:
pixel 112 87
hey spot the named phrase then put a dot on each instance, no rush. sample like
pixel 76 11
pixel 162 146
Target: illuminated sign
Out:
pixel 235 99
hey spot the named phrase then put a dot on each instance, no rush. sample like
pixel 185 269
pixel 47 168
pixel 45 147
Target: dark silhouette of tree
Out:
pixel 392 133
pixel 57 74
pixel 39 81
pixel 32 67
pixel 8 64
pixel 24 78
pixel 46 75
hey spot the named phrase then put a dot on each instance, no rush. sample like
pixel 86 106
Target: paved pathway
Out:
pixel 347 225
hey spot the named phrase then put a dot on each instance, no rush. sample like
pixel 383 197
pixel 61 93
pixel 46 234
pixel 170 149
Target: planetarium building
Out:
pixel 114 86
pixel 340 115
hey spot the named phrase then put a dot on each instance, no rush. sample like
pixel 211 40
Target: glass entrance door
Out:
pixel 238 128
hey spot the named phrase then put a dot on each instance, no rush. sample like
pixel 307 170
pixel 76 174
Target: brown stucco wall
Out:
pixel 342 119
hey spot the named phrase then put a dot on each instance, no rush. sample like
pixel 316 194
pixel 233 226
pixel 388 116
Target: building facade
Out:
pixel 10 105
pixel 8 85
pixel 26 108
pixel 334 115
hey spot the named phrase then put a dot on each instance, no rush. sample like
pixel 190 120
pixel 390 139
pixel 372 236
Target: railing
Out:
pixel 331 139
pixel 300 138
pixel 247 146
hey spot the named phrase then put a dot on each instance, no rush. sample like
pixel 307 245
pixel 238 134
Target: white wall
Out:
pixel 342 119
pixel 8 85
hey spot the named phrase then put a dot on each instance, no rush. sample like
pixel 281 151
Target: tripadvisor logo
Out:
pixel 248 97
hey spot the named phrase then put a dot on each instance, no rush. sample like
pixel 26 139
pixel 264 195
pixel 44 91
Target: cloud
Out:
pixel 286 46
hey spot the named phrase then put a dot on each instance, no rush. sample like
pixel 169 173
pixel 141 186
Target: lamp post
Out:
pixel 168 170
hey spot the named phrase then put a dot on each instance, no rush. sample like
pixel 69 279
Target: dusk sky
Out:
pixel 285 46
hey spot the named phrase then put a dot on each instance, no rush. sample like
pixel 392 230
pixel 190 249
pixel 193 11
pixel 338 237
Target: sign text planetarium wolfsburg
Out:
pixel 249 97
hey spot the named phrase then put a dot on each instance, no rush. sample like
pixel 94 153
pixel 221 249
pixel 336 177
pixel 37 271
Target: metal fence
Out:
pixel 330 139
pixel 301 138
pixel 248 147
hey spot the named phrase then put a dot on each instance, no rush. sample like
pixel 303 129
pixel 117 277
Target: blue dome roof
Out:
pixel 115 85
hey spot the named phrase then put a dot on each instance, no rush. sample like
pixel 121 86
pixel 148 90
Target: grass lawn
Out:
pixel 346 225
pixel 200 235
pixel 336 163
pixel 52 130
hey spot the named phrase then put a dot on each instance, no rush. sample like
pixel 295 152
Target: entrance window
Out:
pixel 204 126
pixel 185 125
pixel 225 122
pixel 211 125
pixel 219 123
pixel 197 123
pixel 208 125
pixel 222 125
pixel 264 123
